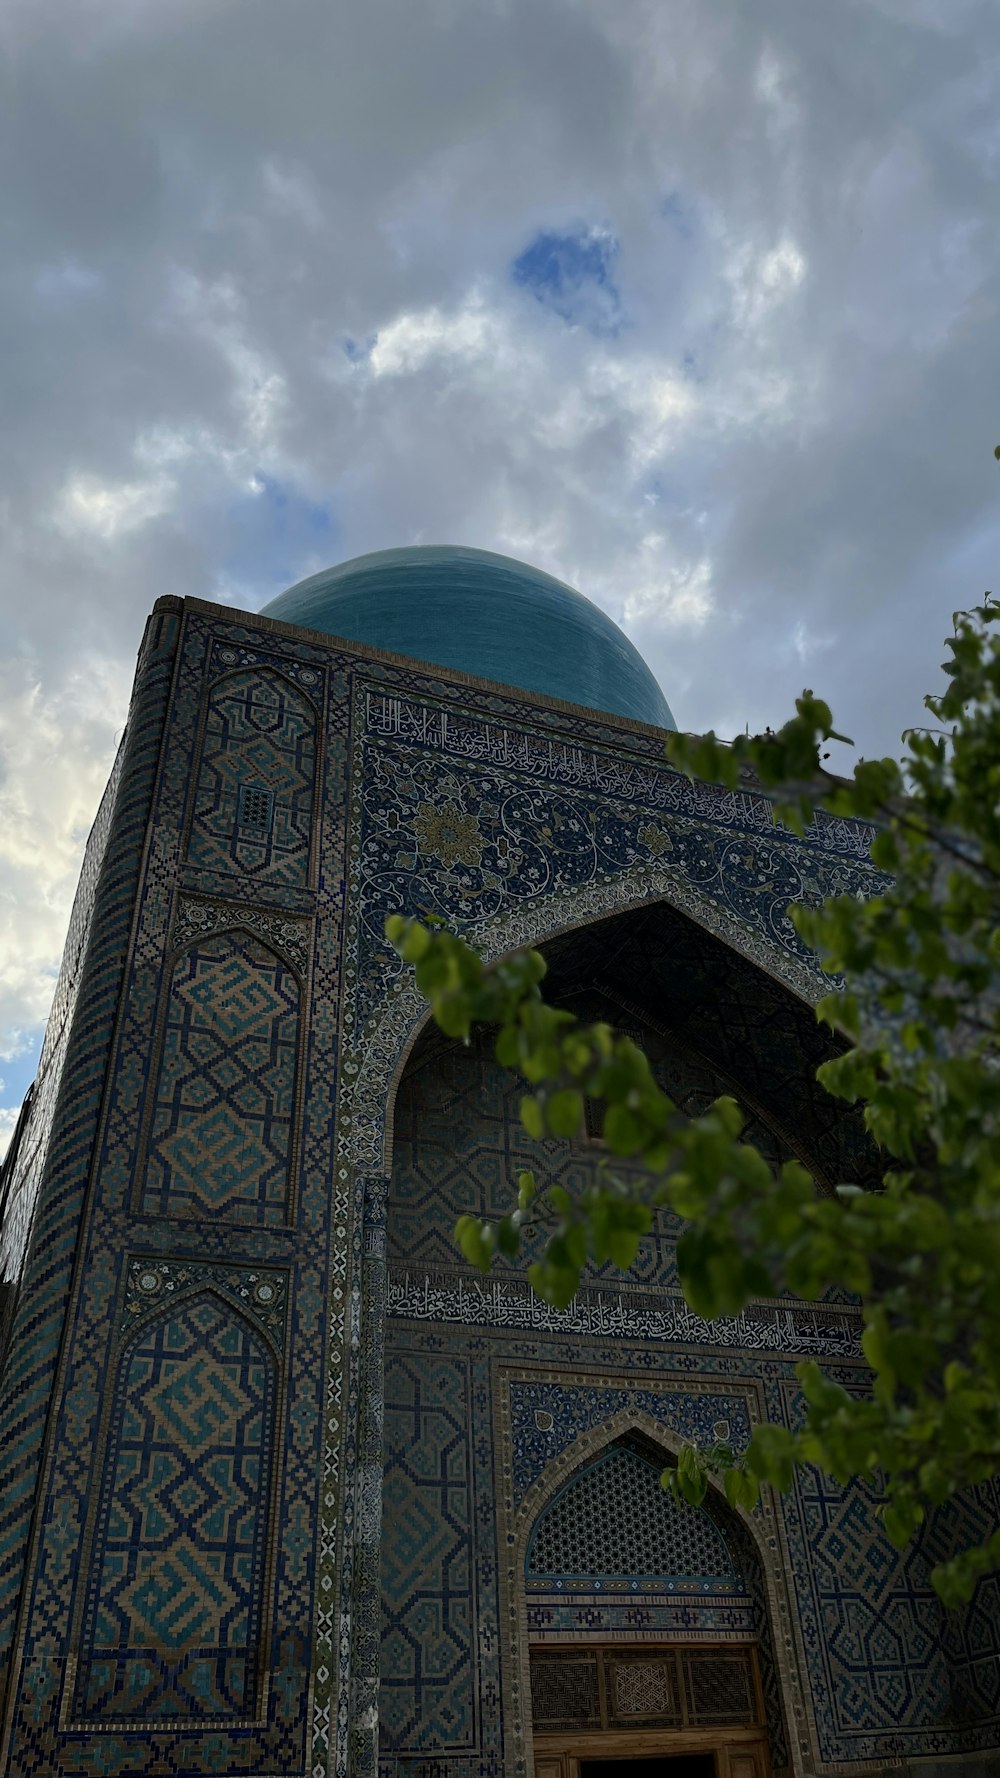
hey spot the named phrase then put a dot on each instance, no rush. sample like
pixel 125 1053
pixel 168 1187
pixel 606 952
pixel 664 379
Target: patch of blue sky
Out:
pixel 18 1071
pixel 358 351
pixel 67 282
pixel 681 213
pixel 572 274
pixel 275 535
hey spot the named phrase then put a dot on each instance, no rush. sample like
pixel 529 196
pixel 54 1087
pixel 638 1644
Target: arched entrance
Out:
pixel 688 1681
pixel 484 1397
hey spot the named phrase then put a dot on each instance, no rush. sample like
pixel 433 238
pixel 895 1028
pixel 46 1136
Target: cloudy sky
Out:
pixel 691 302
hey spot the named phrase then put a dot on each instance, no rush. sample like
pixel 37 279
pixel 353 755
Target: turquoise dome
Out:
pixel 482 614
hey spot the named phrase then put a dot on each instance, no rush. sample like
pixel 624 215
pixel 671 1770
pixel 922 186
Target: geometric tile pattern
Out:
pixel 66 1142
pixel 86 1207
pixel 427 1693
pixel 220 1142
pixel 613 1527
pixel 887 1661
pixel 970 1638
pixel 546 1417
pixel 874 1668
pixel 881 1621
pixel 259 737
pixel 767 1667
pixel 174 1612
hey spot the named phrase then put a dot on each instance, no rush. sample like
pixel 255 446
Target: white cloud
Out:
pixel 107 509
pixel 666 593
pixel 55 754
pixel 8 1119
pixel 411 341
pixel 763 282
pixel 785 454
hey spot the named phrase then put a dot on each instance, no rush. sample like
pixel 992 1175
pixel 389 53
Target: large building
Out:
pixel 288 1490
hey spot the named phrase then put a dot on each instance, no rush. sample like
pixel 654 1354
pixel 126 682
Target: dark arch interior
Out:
pixel 711 1022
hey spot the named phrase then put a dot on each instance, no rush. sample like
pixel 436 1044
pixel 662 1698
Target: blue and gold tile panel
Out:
pixel 175 1600
pixel 222 1129
pixel 253 811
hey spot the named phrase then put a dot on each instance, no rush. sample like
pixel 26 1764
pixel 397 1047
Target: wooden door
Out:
pixel 746 1759
pixel 555 1765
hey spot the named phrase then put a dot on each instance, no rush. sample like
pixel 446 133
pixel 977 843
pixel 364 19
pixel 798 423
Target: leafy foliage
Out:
pixel 921 968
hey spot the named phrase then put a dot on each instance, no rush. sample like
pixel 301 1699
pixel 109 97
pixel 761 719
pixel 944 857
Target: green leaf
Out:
pixel 476 1240
pixel 622 1130
pixel 564 1112
pixel 415 944
pixel 732 1482
pixel 533 1117
pixel 527 1190
pixel 771 1456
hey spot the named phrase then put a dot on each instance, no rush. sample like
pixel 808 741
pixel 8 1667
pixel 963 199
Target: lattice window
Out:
pixel 565 1692
pixel 720 1688
pixel 643 1692
pixel 643 1688
pixel 614 1519
pixel 256 808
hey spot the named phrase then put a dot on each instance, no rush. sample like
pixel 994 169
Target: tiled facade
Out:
pixel 248 1390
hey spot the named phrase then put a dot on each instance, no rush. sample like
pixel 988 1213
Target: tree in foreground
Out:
pixel 917 1006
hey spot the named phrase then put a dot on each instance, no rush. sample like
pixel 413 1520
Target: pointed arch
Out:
pixel 174 1607
pixel 760 1542
pixel 397 1023
pixel 612 1523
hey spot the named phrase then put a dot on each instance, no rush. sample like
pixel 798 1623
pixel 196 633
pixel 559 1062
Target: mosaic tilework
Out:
pixel 259 736
pixel 428 1696
pixel 539 860
pixel 452 1086
pixel 463 844
pixel 778 1697
pixel 440 1682
pixel 680 1619
pixel 45 1284
pixel 545 1417
pixel 883 1654
pixel 173 1627
pixel 221 1136
pixel 970 1638
pixel 40 1739
pixel 456 1144
pixel 611 1528
pixel 592 1413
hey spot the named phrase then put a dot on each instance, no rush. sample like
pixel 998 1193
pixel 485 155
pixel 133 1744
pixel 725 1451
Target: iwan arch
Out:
pixel 286 1488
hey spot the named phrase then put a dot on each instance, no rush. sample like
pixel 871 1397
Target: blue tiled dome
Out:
pixel 482 614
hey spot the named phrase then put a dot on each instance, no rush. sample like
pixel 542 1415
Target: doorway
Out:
pixel 678 1765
